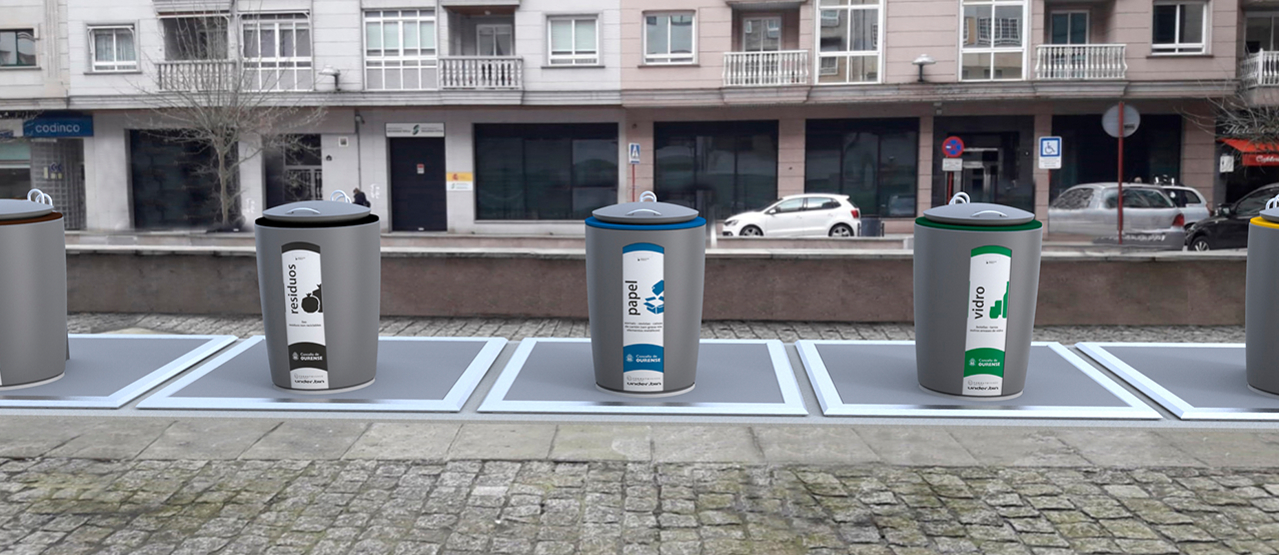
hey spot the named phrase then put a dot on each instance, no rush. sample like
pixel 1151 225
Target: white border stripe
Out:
pixel 122 397
pixel 1166 398
pixel 833 404
pixel 453 401
pixel 792 399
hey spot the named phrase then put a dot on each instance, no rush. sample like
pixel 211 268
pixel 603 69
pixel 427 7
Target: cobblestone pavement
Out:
pixel 62 506
pixel 244 326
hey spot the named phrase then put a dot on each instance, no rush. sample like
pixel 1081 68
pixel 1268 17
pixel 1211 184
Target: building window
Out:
pixel 848 34
pixel 399 50
pixel 1068 28
pixel 1180 28
pixel 17 48
pixel 195 38
pixel 15 168
pixel 573 40
pixel 277 52
pixel 111 48
pixel 1260 34
pixel 993 40
pixel 544 171
pixel 873 161
pixel 730 165
pixel 670 38
pixel 171 182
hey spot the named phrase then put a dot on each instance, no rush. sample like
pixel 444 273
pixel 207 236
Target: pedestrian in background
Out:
pixel 360 199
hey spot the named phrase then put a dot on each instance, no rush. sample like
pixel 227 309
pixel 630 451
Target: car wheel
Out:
pixel 1200 244
pixel 841 230
pixel 752 231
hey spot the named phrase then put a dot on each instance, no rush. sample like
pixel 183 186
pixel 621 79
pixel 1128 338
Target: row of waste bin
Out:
pixel 319 266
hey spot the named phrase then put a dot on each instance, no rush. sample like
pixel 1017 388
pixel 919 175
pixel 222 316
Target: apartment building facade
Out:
pixel 516 116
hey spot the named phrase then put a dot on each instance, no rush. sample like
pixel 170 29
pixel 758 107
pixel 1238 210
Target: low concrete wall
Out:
pixel 867 286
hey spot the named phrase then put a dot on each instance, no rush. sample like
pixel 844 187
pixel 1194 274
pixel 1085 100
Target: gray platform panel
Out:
pixel 109 371
pixel 431 374
pixel 877 378
pixel 734 377
pixel 1192 381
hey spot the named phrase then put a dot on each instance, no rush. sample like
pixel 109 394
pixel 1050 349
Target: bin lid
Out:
pixel 14 209
pixel 978 214
pixel 316 212
pixel 1270 214
pixel 645 212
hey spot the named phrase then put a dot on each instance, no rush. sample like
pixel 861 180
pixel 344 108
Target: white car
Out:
pixel 1192 204
pixel 810 215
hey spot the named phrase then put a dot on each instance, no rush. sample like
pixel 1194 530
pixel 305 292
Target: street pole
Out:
pixel 1121 172
pixel 632 182
pixel 950 186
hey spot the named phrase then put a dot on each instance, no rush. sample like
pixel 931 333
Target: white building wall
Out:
pixel 337 41
pixel 107 196
pixel 147 40
pixel 531 42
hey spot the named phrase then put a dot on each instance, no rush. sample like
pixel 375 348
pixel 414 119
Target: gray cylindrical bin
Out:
pixel 33 293
pixel 320 342
pixel 1261 304
pixel 645 268
pixel 976 283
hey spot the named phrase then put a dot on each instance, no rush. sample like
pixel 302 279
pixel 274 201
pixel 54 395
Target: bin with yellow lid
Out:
pixel 1261 306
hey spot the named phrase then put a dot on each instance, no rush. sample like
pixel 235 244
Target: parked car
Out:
pixel 1229 228
pixel 810 215
pixel 1150 216
pixel 1192 204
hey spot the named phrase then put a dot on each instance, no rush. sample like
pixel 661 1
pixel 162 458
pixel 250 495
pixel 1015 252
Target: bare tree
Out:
pixel 1244 112
pixel 235 106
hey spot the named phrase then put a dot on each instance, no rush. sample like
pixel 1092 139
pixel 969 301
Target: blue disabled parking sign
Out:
pixel 1050 153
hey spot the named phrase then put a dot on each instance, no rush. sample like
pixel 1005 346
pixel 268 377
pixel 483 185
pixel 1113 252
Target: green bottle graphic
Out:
pixel 1000 310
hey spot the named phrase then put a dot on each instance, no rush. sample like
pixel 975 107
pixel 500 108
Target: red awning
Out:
pixel 1255 154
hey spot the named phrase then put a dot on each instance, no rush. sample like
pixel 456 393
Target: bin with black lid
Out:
pixel 645 268
pixel 1261 301
pixel 33 292
pixel 976 283
pixel 320 279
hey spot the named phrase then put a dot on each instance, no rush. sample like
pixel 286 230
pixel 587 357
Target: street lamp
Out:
pixel 330 71
pixel 921 61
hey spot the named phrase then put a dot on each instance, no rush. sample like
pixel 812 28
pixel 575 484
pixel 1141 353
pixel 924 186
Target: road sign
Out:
pixel 953 147
pixel 635 153
pixel 1050 153
pixel 1226 164
pixel 952 164
pixel 1110 121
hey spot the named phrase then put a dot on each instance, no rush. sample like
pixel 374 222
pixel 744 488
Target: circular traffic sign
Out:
pixel 1110 121
pixel 953 147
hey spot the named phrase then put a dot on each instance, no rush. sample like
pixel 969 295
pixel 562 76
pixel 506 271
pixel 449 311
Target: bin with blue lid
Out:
pixel 976 285
pixel 33 292
pixel 645 272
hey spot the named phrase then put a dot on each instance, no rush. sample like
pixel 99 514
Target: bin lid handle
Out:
pixel 960 198
pixel 1272 203
pixel 308 209
pixel 338 195
pixel 648 196
pixel 648 210
pixel 1000 214
pixel 36 195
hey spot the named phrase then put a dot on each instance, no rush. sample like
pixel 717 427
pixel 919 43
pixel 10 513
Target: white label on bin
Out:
pixel 643 289
pixel 988 284
pixel 304 317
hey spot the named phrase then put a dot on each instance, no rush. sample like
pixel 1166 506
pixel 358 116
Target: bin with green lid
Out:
pixel 976 284
pixel 1261 303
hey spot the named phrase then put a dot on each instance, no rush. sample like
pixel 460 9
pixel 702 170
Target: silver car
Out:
pixel 1092 209
pixel 1192 204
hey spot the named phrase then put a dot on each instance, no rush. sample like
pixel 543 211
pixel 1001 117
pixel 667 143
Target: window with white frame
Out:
pixel 277 51
pixel 111 48
pixel 399 50
pixel 848 41
pixel 992 40
pixel 670 38
pixel 1180 27
pixel 573 40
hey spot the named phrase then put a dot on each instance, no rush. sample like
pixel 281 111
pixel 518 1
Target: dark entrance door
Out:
pixel 417 185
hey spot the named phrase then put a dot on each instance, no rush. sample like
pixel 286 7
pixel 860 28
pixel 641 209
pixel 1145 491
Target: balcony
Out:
pixel 1080 62
pixel 198 75
pixel 1260 69
pixel 766 69
pixel 482 73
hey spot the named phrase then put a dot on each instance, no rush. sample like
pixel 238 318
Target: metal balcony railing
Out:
pixel 1260 69
pixel 766 69
pixel 198 75
pixel 1080 62
pixel 482 72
